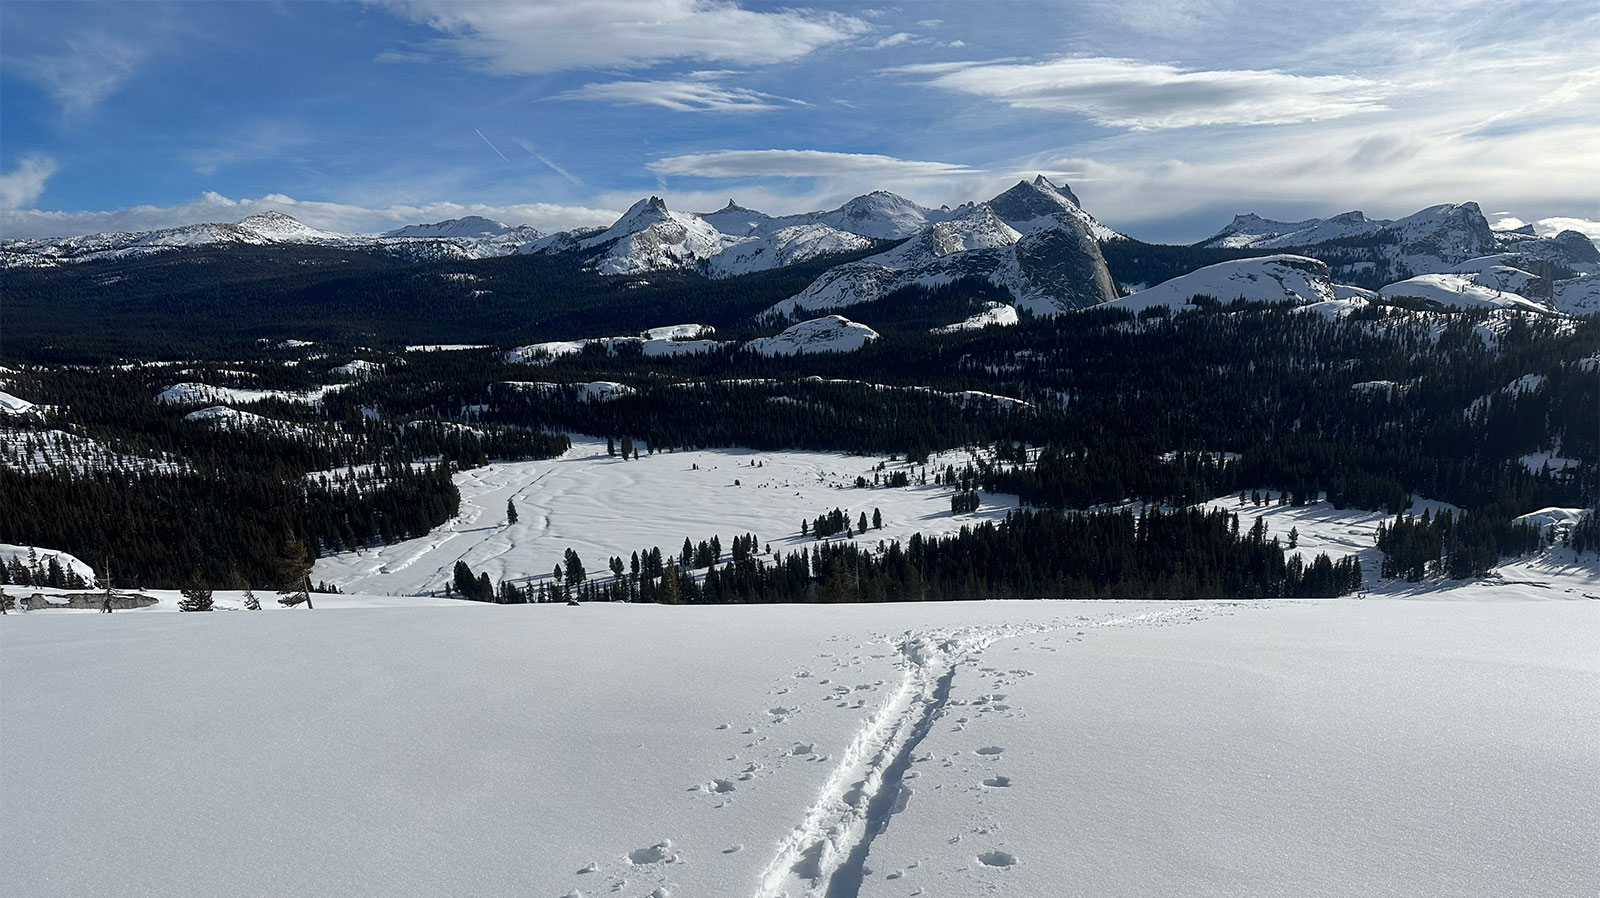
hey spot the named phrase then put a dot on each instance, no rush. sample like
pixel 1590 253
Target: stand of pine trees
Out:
pixel 1031 554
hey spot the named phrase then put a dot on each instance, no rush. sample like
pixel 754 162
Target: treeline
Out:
pixel 161 529
pixel 1450 545
pixel 1031 554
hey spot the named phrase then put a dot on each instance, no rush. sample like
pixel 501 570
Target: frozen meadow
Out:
pixel 1337 747
pixel 601 506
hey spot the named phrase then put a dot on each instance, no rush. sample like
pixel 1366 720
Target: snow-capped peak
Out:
pixel 468 227
pixel 281 228
pixel 650 237
pixel 1029 205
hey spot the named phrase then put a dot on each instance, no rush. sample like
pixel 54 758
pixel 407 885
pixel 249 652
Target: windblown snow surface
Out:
pixel 1332 747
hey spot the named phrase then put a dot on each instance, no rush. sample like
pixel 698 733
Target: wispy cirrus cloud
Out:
pixel 1140 95
pixel 680 96
pixel 559 35
pixel 85 70
pixel 800 164
pixel 20 188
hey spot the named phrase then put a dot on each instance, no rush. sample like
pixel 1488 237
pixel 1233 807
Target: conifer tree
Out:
pixel 511 512
pixel 196 595
pixel 294 573
pixel 575 572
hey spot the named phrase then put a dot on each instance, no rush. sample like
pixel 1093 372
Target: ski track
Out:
pixel 825 855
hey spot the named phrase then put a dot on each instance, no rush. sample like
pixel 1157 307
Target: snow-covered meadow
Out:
pixel 1337 747
pixel 601 506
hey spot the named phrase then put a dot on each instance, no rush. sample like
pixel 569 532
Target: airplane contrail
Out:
pixel 492 146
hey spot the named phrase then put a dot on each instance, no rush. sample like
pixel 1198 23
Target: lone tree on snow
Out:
pixel 196 596
pixel 294 576
pixel 511 512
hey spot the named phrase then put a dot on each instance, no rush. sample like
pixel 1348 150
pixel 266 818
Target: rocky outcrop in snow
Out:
pixel 1285 278
pixel 833 333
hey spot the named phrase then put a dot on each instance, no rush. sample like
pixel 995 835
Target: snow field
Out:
pixel 602 507
pixel 1025 748
pixel 1305 748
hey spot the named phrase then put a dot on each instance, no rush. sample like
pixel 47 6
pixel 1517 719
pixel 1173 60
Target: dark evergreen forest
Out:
pixel 1078 411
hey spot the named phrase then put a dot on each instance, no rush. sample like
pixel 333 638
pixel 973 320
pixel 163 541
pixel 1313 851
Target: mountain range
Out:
pixel 1034 241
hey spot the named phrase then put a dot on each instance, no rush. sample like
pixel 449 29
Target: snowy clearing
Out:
pixel 1331 747
pixel 601 506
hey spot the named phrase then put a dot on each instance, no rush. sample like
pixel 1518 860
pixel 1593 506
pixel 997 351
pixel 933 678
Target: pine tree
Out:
pixel 196 596
pixel 575 572
pixel 877 520
pixel 669 585
pixel 251 603
pixel 294 572
pixel 511 513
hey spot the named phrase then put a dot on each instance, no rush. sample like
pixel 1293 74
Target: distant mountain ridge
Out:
pixel 1034 241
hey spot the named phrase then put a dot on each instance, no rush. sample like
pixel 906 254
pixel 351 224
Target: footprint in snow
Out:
pixel 654 854
pixel 990 750
pixel 997 859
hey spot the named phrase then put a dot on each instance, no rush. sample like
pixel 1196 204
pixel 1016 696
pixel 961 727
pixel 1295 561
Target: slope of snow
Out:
pixel 358 368
pixel 881 215
pixel 190 393
pixel 1054 267
pixel 1295 279
pixel 12 405
pixel 677 339
pixel 1577 296
pixel 68 561
pixel 58 450
pixel 649 237
pixel 470 226
pixel 603 506
pixel 593 391
pixel 446 347
pixel 996 315
pixel 1126 749
pixel 678 332
pixel 831 333
pixel 1457 291
pixel 785 246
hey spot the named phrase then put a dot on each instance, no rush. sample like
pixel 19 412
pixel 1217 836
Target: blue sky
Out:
pixel 1166 118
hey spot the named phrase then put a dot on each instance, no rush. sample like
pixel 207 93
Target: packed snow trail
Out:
pixel 825 855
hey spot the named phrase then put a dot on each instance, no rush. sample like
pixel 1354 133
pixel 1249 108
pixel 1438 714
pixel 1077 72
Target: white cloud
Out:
pixel 558 35
pixel 340 217
pixel 1131 93
pixel 680 96
pixel 85 71
pixel 20 188
pixel 1546 227
pixel 897 39
pixel 798 164
pixel 1310 170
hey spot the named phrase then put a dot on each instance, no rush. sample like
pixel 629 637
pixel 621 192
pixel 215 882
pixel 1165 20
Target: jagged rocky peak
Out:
pixel 1027 201
pixel 1044 183
pixel 643 214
